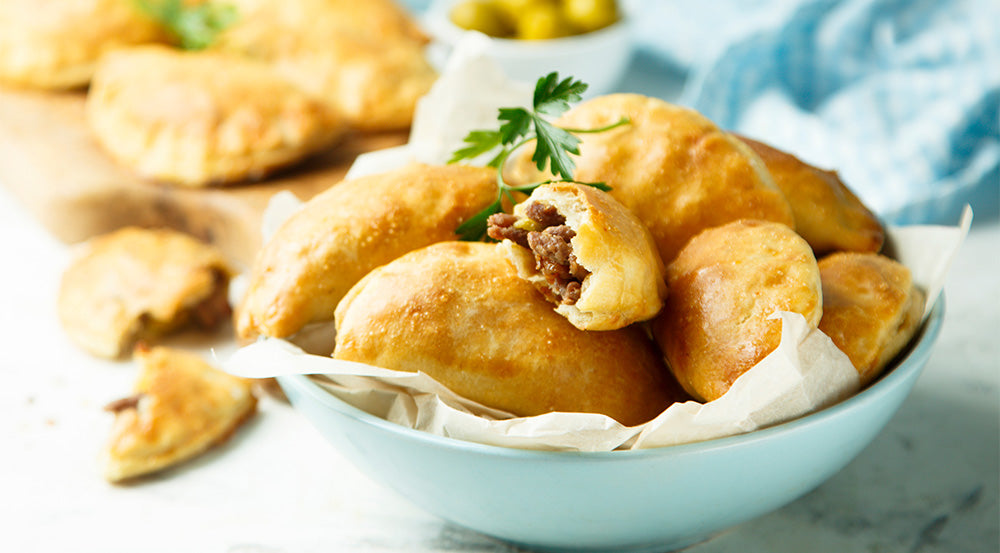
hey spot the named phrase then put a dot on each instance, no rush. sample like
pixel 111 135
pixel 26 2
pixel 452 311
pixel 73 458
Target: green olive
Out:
pixel 542 21
pixel 590 15
pixel 485 16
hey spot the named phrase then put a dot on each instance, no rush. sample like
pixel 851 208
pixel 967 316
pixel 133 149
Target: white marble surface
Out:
pixel 928 484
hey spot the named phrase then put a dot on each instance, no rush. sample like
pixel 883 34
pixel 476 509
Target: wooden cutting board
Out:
pixel 52 164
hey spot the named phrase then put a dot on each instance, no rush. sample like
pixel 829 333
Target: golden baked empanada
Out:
pixel 586 253
pixel 871 308
pixel 200 118
pixel 382 20
pixel 135 284
pixel 55 44
pixel 182 406
pixel 365 59
pixel 672 167
pixel 724 285
pixel 458 312
pixel 348 230
pixel 827 214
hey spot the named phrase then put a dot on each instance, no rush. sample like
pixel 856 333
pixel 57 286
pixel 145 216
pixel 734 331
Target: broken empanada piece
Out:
pixel 827 214
pixel 199 118
pixel 670 166
pixel 724 286
pixel 458 312
pixel 344 232
pixel 586 253
pixel 137 284
pixel 871 308
pixel 182 406
pixel 49 44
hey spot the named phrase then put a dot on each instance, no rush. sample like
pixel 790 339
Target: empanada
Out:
pixel 827 214
pixel 871 308
pixel 182 406
pixel 365 59
pixel 341 234
pixel 586 253
pixel 137 284
pixel 458 312
pixel 672 167
pixel 55 44
pixel 200 118
pixel 724 285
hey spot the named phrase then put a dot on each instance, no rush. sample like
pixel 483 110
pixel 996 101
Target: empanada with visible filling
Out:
pixel 586 253
pixel 458 312
pixel 137 284
pixel 55 44
pixel 672 167
pixel 341 234
pixel 182 406
pixel 871 308
pixel 200 118
pixel 827 214
pixel 724 285
pixel 365 59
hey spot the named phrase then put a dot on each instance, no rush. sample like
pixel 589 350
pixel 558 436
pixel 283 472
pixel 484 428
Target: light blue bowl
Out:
pixel 646 500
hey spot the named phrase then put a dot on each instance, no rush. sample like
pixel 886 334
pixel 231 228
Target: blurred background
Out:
pixel 901 97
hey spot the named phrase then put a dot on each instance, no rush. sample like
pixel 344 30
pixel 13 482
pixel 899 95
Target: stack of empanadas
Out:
pixel 606 302
pixel 280 81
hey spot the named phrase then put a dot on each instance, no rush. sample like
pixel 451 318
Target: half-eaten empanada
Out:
pixel 871 308
pixel 182 406
pixel 137 284
pixel 724 285
pixel 458 312
pixel 586 253
pixel 676 170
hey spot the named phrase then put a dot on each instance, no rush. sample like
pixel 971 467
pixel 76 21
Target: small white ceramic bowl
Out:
pixel 644 500
pixel 598 58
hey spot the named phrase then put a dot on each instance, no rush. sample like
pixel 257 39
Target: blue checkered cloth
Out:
pixel 901 97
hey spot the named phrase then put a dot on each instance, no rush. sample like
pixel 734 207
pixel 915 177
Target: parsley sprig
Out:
pixel 518 127
pixel 194 27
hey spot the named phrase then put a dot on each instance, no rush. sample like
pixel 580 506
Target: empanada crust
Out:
pixel 458 312
pixel 364 59
pixel 49 44
pixel 201 118
pixel 724 285
pixel 344 232
pixel 626 281
pixel 672 167
pixel 871 308
pixel 183 406
pixel 827 214
pixel 135 284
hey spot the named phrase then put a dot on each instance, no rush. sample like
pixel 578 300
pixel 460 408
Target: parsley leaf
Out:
pixel 552 96
pixel 553 145
pixel 517 124
pixel 479 142
pixel 194 27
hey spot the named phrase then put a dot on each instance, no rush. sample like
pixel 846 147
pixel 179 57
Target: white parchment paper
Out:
pixel 805 373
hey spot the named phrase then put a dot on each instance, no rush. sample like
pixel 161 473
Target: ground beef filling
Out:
pixel 550 244
pixel 215 308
